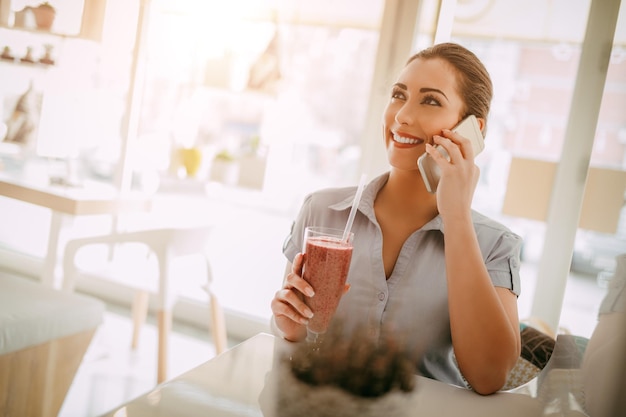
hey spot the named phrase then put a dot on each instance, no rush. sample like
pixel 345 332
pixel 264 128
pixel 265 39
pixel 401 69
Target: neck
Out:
pixel 405 190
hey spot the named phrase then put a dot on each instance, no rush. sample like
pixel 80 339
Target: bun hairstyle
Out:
pixel 474 82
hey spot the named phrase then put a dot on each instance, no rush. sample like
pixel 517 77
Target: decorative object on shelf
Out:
pixel 44 15
pixel 22 17
pixel 23 122
pixel 5 12
pixel 28 58
pixel 47 59
pixel 6 54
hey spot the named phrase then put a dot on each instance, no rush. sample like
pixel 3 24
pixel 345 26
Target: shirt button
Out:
pixel 381 296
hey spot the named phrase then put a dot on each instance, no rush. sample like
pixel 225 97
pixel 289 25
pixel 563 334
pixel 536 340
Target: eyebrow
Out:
pixel 433 90
pixel 423 89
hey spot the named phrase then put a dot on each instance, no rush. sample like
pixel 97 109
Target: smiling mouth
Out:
pixel 406 141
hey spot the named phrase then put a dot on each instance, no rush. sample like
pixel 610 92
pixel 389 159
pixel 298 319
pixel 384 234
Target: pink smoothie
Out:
pixel 326 269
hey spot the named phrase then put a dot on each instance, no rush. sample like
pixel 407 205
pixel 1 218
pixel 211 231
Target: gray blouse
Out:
pixel 414 300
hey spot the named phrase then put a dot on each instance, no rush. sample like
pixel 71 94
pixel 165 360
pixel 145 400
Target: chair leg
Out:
pixel 218 326
pixel 164 319
pixel 139 313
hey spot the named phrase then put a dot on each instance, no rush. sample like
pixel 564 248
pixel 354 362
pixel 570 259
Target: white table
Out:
pixel 232 383
pixel 65 202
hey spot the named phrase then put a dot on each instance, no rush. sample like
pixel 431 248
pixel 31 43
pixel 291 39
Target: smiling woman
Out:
pixel 424 265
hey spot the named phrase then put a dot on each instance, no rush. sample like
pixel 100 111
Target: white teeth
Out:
pixel 401 139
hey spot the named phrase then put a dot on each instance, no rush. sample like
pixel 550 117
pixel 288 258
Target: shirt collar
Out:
pixel 366 205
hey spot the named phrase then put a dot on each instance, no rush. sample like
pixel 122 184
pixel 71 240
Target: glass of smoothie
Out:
pixel 326 266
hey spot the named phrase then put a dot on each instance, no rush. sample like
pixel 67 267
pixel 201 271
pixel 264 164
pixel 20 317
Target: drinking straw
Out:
pixel 355 205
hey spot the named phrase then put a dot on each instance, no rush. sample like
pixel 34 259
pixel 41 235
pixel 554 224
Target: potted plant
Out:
pixel 252 164
pixel 224 168
pixel 191 159
pixel 44 15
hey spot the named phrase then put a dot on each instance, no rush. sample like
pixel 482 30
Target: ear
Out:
pixel 481 123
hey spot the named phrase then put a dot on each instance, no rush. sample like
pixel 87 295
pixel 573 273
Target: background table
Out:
pixel 65 202
pixel 232 383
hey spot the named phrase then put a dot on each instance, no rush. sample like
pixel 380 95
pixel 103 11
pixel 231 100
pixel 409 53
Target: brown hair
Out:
pixel 474 82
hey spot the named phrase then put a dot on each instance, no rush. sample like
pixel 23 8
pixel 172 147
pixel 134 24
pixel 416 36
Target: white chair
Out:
pixel 165 245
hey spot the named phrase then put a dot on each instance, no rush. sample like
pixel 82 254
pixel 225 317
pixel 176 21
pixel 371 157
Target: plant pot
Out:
pixel 252 171
pixel 226 172
pixel 286 396
pixel 44 16
pixel 192 160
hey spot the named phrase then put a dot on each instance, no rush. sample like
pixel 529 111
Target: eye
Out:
pixel 430 100
pixel 398 94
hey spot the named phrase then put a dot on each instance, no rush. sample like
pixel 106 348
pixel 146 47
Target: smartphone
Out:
pixel 468 128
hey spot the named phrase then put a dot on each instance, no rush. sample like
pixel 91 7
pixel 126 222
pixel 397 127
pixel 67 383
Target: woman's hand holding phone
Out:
pixel 448 167
pixel 431 171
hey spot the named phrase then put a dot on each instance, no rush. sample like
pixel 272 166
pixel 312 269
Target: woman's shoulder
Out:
pixel 329 196
pixel 487 224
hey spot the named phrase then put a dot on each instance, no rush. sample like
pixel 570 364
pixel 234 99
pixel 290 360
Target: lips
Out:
pixel 406 139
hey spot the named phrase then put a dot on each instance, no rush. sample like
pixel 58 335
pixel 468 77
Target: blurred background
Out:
pixel 231 112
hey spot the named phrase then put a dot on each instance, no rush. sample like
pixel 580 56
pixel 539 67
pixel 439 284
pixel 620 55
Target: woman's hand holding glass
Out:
pixel 290 311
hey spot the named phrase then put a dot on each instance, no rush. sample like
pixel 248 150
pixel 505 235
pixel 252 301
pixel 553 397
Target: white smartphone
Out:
pixel 468 128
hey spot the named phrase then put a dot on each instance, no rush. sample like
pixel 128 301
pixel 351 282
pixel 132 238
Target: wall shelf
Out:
pixel 89 26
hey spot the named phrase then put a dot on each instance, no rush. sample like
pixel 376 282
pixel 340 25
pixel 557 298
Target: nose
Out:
pixel 405 115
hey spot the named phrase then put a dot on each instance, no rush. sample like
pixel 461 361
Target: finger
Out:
pixel 295 281
pixel 288 304
pixel 452 145
pixel 438 151
pixel 283 310
pixel 465 144
pixel 298 263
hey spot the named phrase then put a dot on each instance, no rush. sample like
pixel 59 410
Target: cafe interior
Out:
pixel 154 154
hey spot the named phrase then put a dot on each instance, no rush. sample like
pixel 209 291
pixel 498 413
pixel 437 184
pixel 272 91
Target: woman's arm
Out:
pixel 483 318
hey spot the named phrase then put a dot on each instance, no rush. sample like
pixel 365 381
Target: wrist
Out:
pixel 457 219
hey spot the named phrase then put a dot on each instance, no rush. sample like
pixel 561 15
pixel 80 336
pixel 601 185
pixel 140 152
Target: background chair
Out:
pixel 44 334
pixel 129 264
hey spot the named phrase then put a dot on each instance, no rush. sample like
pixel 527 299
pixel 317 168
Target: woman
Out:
pixel 451 295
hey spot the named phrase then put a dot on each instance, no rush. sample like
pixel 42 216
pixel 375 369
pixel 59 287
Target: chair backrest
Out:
pixel 164 242
pixel 185 241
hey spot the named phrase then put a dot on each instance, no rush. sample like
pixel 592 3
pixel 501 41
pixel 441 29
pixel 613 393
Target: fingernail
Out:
pixel 304 321
pixel 309 292
pixel 308 313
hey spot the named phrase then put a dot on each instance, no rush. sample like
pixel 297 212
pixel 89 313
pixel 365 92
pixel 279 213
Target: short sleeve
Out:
pixel 503 262
pixel 293 242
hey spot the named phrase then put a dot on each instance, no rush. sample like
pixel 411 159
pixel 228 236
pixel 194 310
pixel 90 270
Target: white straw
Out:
pixel 355 205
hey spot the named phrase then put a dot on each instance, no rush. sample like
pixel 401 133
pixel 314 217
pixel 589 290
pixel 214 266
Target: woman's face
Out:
pixel 422 102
